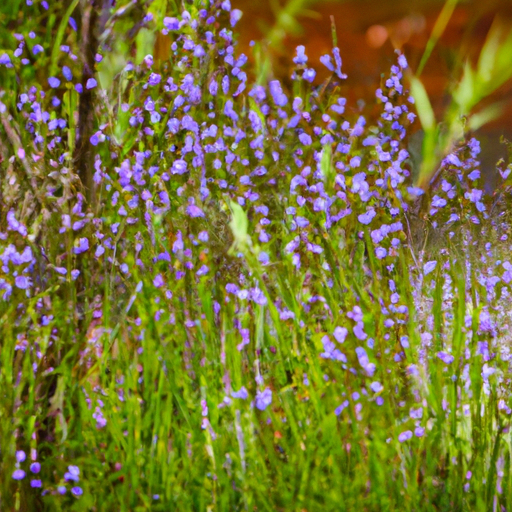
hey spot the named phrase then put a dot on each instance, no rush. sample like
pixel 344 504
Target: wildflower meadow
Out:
pixel 225 291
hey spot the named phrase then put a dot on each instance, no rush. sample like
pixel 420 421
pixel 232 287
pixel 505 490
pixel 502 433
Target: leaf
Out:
pixel 60 36
pixel 239 226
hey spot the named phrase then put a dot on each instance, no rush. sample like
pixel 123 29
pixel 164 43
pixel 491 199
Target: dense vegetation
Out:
pixel 219 291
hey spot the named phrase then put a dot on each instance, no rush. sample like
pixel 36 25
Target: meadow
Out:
pixel 220 291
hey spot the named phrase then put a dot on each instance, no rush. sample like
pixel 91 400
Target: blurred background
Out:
pixel 369 31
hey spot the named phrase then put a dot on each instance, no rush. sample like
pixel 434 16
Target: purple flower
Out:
pixel 22 282
pixel 340 333
pixel 77 491
pixel 20 456
pixel 53 82
pixel 438 202
pixel 446 358
pixel 73 474
pixel 158 281
pixel 359 331
pixel 242 393
pixel 171 23
pixel 263 399
pixel 309 74
pixel 366 218
pixel 380 253
pixel 301 56
pixel 154 79
pixel 405 436
pixel 235 16
pixel 18 474
pixel 429 267
pixel 376 387
pixel 35 467
pixel 5 59
pixel 82 246
pixel 305 139
pixel 179 167
pixel 68 75
pixel 91 83
pixel 419 431
pixel 277 93
pixel 340 408
pixel 194 211
pixel 14 224
pixel 36 483
pixel 402 61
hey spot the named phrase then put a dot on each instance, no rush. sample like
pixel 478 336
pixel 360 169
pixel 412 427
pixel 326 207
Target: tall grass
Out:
pixel 264 315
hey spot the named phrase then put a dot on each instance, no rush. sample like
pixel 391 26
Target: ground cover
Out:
pixel 218 292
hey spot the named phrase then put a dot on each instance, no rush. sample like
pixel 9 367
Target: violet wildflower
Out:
pixel 277 93
pixel 18 474
pixel 22 282
pixel 301 56
pixel 429 267
pixel 366 218
pixel 340 333
pixel 73 474
pixel 81 246
pixel 405 436
pixel 263 399
pixel 235 16
pixel 241 393
pixel 53 82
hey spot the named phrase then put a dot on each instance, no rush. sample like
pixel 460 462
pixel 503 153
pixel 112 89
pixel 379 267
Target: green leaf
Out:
pixel 239 226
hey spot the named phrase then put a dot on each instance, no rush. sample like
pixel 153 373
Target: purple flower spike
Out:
pixel 18 474
pixel 263 399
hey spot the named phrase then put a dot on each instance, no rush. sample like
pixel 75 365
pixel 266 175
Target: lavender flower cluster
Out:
pixel 315 191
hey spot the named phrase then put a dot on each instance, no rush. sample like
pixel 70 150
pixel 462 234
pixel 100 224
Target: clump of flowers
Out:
pixel 237 256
